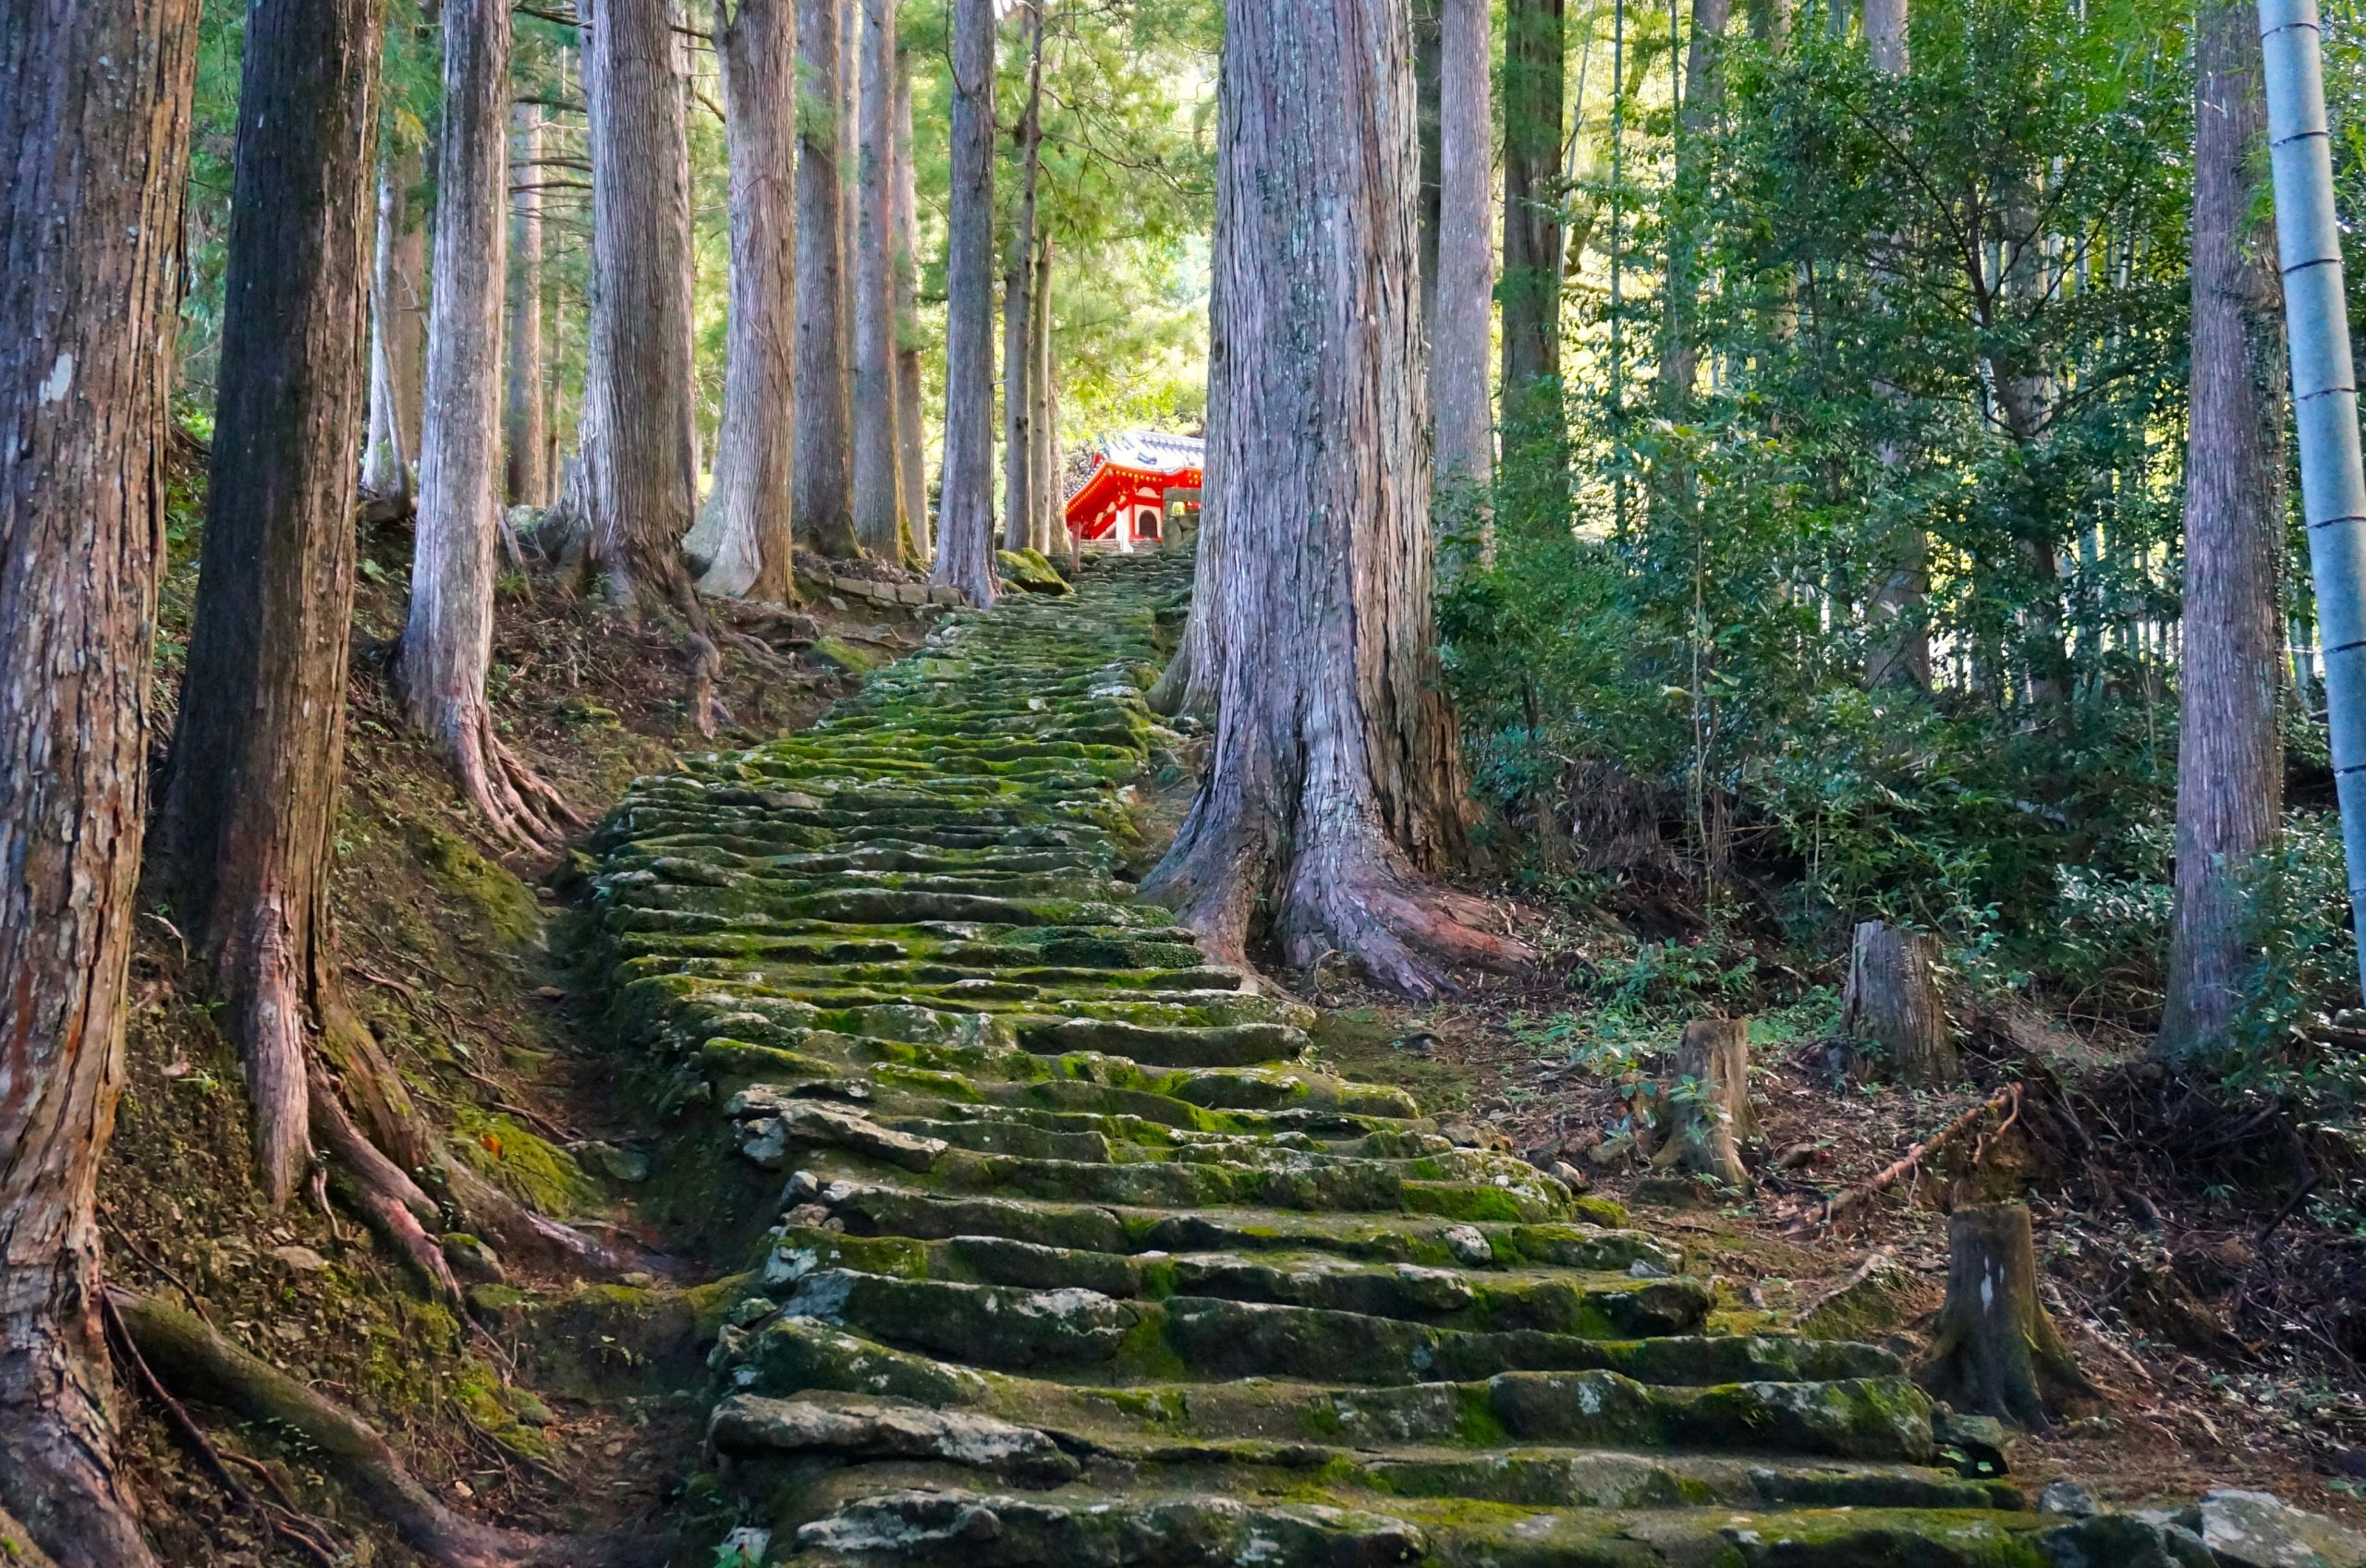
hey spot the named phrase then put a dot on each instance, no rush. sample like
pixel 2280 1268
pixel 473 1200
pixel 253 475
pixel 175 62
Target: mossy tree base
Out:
pixel 1996 1352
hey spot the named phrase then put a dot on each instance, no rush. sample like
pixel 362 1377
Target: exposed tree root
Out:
pixel 520 1232
pixel 387 1198
pixel 190 1357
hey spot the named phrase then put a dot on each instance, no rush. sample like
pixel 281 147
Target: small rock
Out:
pixel 803 1188
pixel 1644 1269
pixel 2248 1529
pixel 299 1259
pixel 2068 1498
pixel 1470 1244
pixel 471 1261
pixel 617 1165
pixel 808 1214
pixel 640 1279
pixel 1570 1177
pixel 550 993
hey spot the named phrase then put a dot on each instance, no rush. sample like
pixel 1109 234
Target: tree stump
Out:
pixel 1707 1123
pixel 1996 1352
pixel 1893 1001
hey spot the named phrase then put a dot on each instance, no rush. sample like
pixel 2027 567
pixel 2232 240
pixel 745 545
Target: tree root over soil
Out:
pixel 188 1357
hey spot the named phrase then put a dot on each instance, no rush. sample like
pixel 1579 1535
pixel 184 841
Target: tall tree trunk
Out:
pixel 398 329
pixel 2230 760
pixel 743 531
pixel 1429 92
pixel 1695 121
pixel 824 505
pixel 525 441
pixel 1017 343
pixel 96 122
pixel 1898 641
pixel 1191 684
pixel 910 439
pixel 1462 334
pixel 1531 282
pixel 250 799
pixel 1044 467
pixel 965 549
pixel 643 479
pixel 447 642
pixel 878 479
pixel 1333 782
pixel 849 143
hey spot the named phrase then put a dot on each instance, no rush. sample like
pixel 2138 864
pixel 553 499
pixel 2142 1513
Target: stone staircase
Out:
pixel 1082 1260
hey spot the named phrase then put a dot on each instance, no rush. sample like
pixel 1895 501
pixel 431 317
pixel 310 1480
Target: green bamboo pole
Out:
pixel 2325 400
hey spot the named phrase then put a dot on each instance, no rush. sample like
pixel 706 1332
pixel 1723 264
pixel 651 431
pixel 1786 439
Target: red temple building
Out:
pixel 1140 481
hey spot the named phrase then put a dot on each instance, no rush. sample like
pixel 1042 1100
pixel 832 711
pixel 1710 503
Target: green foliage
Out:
pixel 2304 965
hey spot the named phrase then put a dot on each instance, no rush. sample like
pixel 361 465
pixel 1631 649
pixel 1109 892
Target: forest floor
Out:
pixel 445 951
pixel 2178 1297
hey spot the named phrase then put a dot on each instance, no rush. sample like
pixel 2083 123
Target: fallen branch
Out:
pixel 182 1351
pixel 1883 1180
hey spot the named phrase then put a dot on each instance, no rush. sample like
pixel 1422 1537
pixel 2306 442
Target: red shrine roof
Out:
pixel 1133 469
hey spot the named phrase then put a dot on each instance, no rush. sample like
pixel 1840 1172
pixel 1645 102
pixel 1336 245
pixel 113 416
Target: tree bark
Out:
pixel 1892 998
pixel 1695 121
pixel 643 479
pixel 965 551
pixel 398 330
pixel 1898 641
pixel 448 641
pixel 2230 757
pixel 743 532
pixel 1190 685
pixel 824 505
pixel 1461 336
pixel 1429 44
pixel 96 122
pixel 1996 1352
pixel 525 440
pixel 1333 782
pixel 1533 70
pixel 879 522
pixel 251 794
pixel 1018 341
pixel 1714 1117
pixel 1044 469
pixel 911 440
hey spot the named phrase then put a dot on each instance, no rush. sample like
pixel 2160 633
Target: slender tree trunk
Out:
pixel 1190 685
pixel 878 478
pixel 1898 641
pixel 250 799
pixel 1429 47
pixel 2230 760
pixel 96 122
pixel 743 531
pixel 525 441
pixel 643 479
pixel 965 551
pixel 397 330
pixel 849 145
pixel 1695 121
pixel 447 642
pixel 1531 282
pixel 910 439
pixel 1017 342
pixel 1462 334
pixel 1333 782
pixel 824 481
pixel 1046 497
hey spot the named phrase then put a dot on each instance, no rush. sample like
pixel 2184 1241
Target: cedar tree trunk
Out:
pixel 447 642
pixel 1696 123
pixel 1897 650
pixel 1429 45
pixel 910 441
pixel 824 472
pixel 1996 1352
pixel 743 531
pixel 1533 51
pixel 965 550
pixel 1188 688
pixel 1892 998
pixel 1333 782
pixel 878 477
pixel 2230 759
pixel 525 440
pixel 643 479
pixel 1017 342
pixel 96 124
pixel 1714 1116
pixel 397 330
pixel 1043 466
pixel 250 799
pixel 1462 334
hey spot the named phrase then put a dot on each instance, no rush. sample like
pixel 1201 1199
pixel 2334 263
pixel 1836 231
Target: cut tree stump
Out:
pixel 1706 1125
pixel 1996 1352
pixel 1893 1001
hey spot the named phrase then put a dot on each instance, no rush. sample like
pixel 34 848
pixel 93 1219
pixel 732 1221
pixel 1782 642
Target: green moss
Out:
pixel 538 1173
pixel 847 656
pixel 506 905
